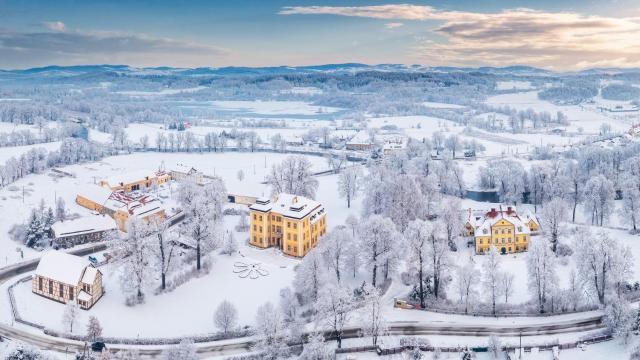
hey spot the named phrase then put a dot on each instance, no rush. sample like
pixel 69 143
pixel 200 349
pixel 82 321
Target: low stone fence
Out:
pixel 14 310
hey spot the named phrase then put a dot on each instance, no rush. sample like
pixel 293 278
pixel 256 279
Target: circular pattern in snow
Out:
pixel 252 271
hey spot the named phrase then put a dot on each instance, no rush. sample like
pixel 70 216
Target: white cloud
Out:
pixel 55 25
pixel 20 49
pixel 561 40
pixel 393 25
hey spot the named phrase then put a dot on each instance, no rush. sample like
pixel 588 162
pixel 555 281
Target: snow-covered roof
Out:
pixel 83 225
pixel 90 274
pixel 83 296
pixel 134 203
pixel 184 169
pixel 131 177
pixel 289 205
pixel 495 215
pixel 61 267
pixel 362 137
pixel 95 193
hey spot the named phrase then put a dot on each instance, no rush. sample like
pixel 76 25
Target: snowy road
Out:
pixel 476 326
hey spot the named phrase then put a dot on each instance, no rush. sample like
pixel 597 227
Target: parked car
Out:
pixel 98 346
pixel 93 259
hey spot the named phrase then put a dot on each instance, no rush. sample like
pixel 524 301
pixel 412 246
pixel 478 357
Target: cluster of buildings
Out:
pixel 288 222
pixel 502 228
pixel 387 141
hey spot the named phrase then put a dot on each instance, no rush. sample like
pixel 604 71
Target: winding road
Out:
pixel 549 325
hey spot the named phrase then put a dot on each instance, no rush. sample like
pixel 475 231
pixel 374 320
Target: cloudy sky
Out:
pixel 554 34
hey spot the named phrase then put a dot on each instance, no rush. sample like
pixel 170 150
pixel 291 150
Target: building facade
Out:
pixel 502 228
pixel 68 233
pixel 67 278
pixel 135 181
pixel 294 224
pixel 188 174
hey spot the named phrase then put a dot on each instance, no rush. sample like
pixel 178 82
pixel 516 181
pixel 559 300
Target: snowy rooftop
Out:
pixel 83 225
pixel 495 215
pixel 185 169
pixel 90 275
pixel 95 193
pixel 130 177
pixel 288 205
pixel 61 267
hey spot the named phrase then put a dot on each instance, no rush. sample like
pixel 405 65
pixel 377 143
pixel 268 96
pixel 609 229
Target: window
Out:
pixel 255 217
pixel 70 292
pixel 288 236
pixel 50 287
pixel 260 217
pixel 295 225
pixel 255 227
pixel 40 283
pixel 295 237
pixel 260 228
pixel 61 288
pixel 289 224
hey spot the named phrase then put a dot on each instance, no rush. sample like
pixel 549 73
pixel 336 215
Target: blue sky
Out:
pixel 552 34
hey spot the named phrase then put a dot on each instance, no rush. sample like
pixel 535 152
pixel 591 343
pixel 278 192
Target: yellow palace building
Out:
pixel 502 228
pixel 289 222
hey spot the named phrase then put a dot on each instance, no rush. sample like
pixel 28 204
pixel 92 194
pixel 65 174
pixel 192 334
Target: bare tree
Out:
pixel 541 266
pixel 349 183
pixel 490 281
pixel 334 308
pixel 94 330
pixel 70 315
pixel 293 176
pixel 225 317
pixel 467 278
pixel 374 323
pixel 417 236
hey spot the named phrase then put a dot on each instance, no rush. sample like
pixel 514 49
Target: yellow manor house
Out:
pixel 290 222
pixel 504 229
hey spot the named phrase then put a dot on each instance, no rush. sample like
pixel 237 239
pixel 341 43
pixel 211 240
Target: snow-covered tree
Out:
pixel 452 220
pixel 226 317
pixel 316 348
pixel 133 254
pixel 349 183
pixel 61 211
pixel 70 315
pixel 453 143
pixel 374 324
pixel 541 267
pixel 243 223
pixel 204 212
pixel 506 285
pixel 495 347
pixel 467 277
pixel 94 330
pixel 491 277
pixel 270 330
pixel 598 196
pixel 573 173
pixel 310 276
pixel 240 175
pixel 553 213
pixel 25 352
pixel 334 309
pixel 630 212
pixel 293 176
pixel 618 317
pixel 162 248
pixel 186 350
pixel 334 249
pixel 602 262
pixel 229 244
pixel 417 237
pixel 376 238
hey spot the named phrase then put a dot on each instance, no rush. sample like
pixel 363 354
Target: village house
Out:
pixel 187 174
pixel 119 205
pixel 289 222
pixel 502 228
pixel 67 278
pixel 95 228
pixel 136 180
